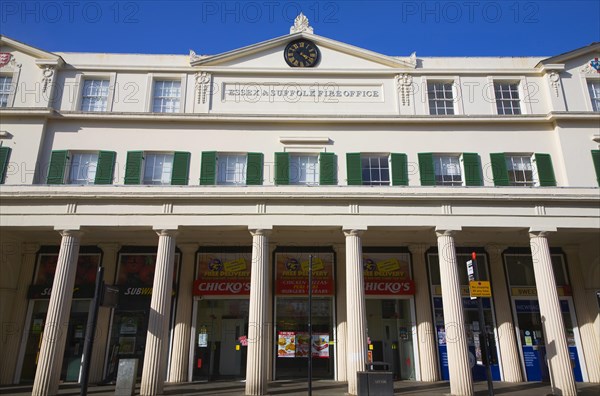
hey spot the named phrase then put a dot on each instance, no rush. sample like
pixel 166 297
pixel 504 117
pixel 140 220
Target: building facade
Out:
pixel 206 186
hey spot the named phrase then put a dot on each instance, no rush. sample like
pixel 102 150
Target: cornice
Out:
pixel 334 193
pixel 308 119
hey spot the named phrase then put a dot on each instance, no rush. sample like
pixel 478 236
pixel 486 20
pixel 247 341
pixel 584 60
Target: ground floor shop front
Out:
pixel 216 311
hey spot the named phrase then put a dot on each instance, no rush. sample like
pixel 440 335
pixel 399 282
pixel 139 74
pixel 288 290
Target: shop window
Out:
pixel 234 169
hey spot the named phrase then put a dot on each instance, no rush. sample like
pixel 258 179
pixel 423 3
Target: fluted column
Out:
pixel 180 353
pixel 14 333
pixel 157 340
pixel 109 262
pixel 591 349
pixel 507 341
pixel 356 309
pixel 557 352
pixel 257 366
pixel 52 349
pixel 425 327
pixel 341 343
pixel 461 380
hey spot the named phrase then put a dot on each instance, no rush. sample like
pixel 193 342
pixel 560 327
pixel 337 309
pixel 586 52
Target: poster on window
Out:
pixel 292 274
pixel 320 345
pixel 286 344
pixel 302 344
pixel 223 274
pixel 387 274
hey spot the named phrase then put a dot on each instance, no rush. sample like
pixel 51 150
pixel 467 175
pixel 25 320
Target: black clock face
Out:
pixel 301 53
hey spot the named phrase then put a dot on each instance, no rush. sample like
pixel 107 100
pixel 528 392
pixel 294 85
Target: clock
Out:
pixel 301 53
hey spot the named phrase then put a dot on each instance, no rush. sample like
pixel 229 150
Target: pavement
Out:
pixel 320 388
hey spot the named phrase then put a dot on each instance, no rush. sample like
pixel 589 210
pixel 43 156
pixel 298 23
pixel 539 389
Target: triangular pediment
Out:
pixel 593 48
pixel 334 54
pixel 42 58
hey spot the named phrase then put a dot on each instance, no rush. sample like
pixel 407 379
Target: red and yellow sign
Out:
pixel 480 289
pixel 292 274
pixel 387 275
pixel 226 274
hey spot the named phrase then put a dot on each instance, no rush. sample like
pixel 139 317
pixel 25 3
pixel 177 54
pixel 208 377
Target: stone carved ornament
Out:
pixel 554 81
pixel 301 25
pixel 404 86
pixel 202 86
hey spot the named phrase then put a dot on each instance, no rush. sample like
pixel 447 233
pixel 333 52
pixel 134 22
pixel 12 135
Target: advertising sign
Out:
pixel 292 274
pixel 320 345
pixel 286 344
pixel 136 274
pixel 387 274
pixel 223 274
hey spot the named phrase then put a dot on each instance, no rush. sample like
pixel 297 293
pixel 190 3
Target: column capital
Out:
pixel 353 231
pixel 258 231
pixel 541 232
pixel 75 233
pixel 418 248
pixel 447 230
pixel 172 232
pixel 188 247
pixel 495 248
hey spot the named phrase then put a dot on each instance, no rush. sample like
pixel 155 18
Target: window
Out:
pixel 158 168
pixel 5 90
pixel 91 167
pixel 507 98
pixel 440 98
pixel 167 96
pixel 304 169
pixel 94 95
pixel 447 170
pixel 520 171
pixel 231 169
pixel 510 169
pixel 83 168
pixel 594 88
pixel 367 169
pixel 375 170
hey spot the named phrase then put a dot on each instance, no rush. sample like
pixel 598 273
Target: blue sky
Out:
pixel 431 28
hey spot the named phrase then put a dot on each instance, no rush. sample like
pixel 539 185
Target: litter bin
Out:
pixel 376 381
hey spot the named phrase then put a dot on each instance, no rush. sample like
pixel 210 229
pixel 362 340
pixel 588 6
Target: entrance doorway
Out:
pixel 220 342
pixel 390 330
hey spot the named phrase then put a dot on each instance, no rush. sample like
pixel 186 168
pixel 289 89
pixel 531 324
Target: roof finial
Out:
pixel 301 25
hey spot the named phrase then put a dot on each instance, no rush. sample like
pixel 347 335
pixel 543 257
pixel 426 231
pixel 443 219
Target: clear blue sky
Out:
pixel 431 28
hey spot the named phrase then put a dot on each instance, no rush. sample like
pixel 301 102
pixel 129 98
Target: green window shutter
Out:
pixel 596 159
pixel 282 168
pixel 472 169
pixel 327 169
pixel 399 169
pixel 181 168
pixel 499 169
pixel 545 170
pixel 254 169
pixel 4 156
pixel 106 167
pixel 353 169
pixel 133 167
pixel 208 168
pixel 426 169
pixel 56 170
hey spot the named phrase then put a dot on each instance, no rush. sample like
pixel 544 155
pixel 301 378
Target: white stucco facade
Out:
pixel 436 194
